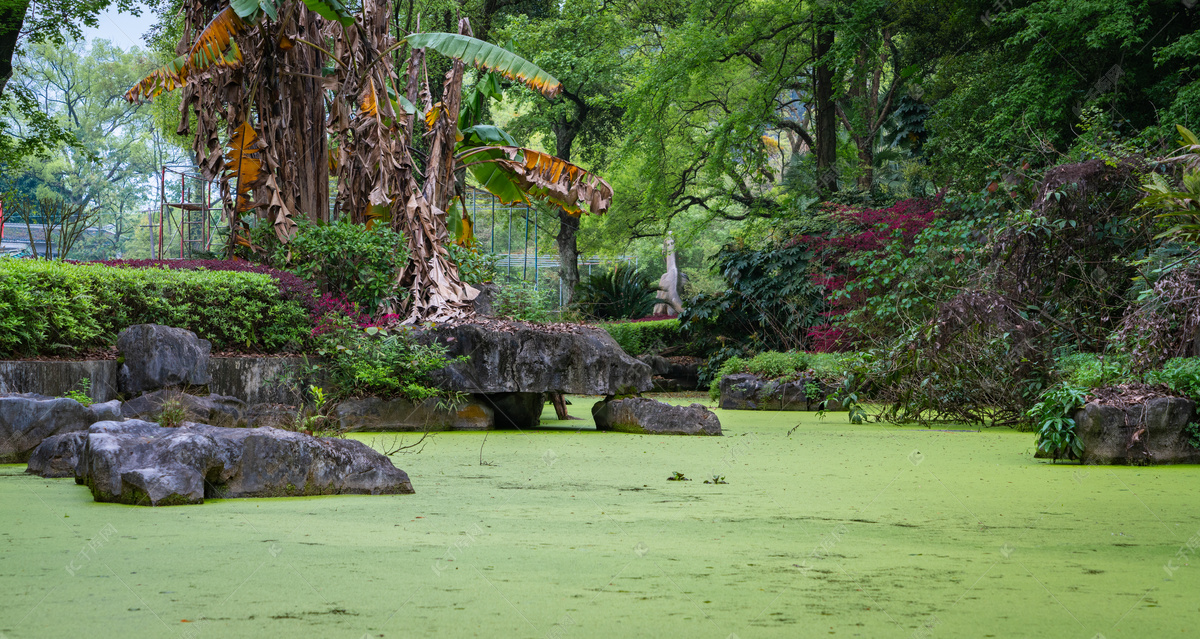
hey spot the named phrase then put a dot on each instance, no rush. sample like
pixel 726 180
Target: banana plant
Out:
pixel 1179 204
pixel 306 88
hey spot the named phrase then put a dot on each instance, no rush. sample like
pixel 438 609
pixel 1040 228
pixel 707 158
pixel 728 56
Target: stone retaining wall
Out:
pixel 250 379
pixel 56 378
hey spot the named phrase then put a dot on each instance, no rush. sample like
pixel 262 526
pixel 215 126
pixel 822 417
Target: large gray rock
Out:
pixel 141 463
pixel 647 416
pixel 1151 433
pixel 512 357
pixel 104 411
pixel 26 419
pixel 375 414
pixel 161 357
pixel 57 456
pixel 743 391
pixel 217 410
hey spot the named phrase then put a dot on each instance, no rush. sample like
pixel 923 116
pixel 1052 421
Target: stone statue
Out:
pixel 669 284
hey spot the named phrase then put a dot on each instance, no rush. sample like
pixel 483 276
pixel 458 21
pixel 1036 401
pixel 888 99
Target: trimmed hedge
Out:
pixel 55 307
pixel 637 338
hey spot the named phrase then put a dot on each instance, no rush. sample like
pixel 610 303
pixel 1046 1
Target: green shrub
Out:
pixel 625 292
pixel 828 367
pixel 1181 374
pixel 768 365
pixel 637 338
pixel 1089 370
pixel 384 362
pixel 56 307
pixel 474 265
pixel 519 300
pixel 1052 418
pixel 347 258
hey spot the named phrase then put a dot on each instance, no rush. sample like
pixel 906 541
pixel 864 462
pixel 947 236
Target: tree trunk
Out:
pixel 568 225
pixel 826 121
pixel 12 18
pixel 866 157
pixel 568 253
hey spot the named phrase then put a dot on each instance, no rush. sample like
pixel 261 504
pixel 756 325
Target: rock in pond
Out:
pixel 141 463
pixel 1152 432
pixel 515 357
pixel 26 419
pixel 161 357
pixel 57 456
pixel 743 391
pixel 650 417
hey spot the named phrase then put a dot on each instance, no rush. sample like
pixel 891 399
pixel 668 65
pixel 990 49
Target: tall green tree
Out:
pixel 116 150
pixel 582 43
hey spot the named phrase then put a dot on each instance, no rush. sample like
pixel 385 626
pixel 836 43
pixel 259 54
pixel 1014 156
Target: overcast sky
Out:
pixel 122 29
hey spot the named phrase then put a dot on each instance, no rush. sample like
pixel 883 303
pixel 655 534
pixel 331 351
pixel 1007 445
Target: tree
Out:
pixel 248 60
pixel 581 43
pixel 718 82
pixel 1014 91
pixel 106 168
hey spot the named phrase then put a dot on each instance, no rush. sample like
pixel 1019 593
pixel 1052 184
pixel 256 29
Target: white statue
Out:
pixel 669 283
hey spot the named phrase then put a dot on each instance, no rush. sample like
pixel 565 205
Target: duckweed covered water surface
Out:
pixel 835 530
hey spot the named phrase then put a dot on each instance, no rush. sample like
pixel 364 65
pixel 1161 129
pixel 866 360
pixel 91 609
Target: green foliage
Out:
pixel 54 306
pixel 83 393
pixel 1003 96
pixel 904 284
pixel 768 365
pixel 172 414
pixel 1180 374
pixel 519 300
pixel 350 259
pixel 383 362
pixel 625 292
pixel 1179 204
pixel 1052 417
pixel 847 394
pixel 112 147
pixel 1089 370
pixel 770 303
pixel 1192 430
pixel 474 265
pixel 637 338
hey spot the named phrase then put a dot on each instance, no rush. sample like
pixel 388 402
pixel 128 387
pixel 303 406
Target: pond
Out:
pixel 824 528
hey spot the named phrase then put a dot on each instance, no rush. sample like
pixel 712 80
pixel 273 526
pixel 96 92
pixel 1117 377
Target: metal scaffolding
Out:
pixel 190 221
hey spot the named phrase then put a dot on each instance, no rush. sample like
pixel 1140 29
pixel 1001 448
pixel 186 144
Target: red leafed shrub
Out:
pixel 291 286
pixel 860 231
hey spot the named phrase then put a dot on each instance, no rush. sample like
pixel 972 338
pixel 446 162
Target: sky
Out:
pixel 122 29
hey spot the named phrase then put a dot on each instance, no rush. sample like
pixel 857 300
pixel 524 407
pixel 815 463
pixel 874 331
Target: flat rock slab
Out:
pixel 650 417
pixel 514 357
pixel 141 463
pixel 161 357
pixel 27 419
pixel 1153 432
